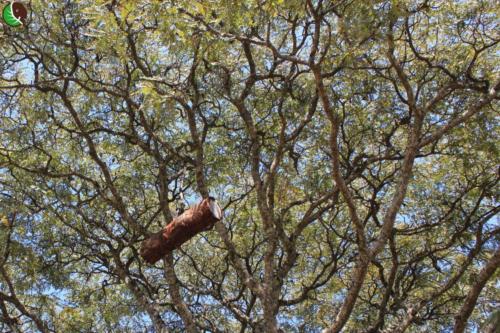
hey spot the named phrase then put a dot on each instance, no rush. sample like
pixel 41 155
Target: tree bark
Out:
pixel 473 294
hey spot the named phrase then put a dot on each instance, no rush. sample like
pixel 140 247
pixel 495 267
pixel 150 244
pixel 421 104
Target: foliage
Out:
pixel 352 144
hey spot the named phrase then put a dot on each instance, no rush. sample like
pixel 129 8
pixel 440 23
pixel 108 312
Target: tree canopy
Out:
pixel 353 146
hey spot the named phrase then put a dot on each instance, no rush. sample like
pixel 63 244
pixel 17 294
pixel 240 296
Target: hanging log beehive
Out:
pixel 196 219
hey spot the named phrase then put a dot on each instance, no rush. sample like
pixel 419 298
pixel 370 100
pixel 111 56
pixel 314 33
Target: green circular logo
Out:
pixel 14 13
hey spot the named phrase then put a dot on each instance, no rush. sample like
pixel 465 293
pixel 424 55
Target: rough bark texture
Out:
pixel 182 228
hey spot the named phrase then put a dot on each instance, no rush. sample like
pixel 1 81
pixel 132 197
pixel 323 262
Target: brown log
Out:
pixel 196 219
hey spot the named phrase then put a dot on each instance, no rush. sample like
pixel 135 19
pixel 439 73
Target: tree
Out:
pixel 352 145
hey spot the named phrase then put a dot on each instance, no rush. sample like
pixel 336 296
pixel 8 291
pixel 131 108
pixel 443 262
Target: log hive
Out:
pixel 196 219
